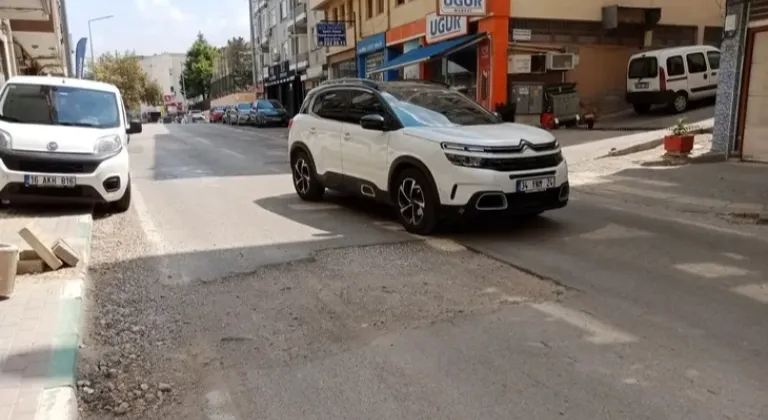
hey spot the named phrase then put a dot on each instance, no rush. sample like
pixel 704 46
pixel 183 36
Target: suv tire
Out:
pixel 305 180
pixel 416 202
pixel 124 203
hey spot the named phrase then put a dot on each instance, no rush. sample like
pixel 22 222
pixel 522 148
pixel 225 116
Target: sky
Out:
pixel 156 26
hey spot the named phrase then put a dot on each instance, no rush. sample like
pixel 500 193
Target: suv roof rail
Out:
pixel 351 81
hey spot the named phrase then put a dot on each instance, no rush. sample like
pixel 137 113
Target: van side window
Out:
pixel 675 66
pixel 714 59
pixel 696 63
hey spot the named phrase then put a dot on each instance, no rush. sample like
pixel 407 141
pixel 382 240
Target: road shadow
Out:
pixel 659 118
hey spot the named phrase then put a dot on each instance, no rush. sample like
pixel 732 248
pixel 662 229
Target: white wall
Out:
pixel 165 69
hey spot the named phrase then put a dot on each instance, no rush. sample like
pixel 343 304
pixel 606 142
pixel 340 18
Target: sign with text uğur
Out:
pixel 331 34
pixel 462 7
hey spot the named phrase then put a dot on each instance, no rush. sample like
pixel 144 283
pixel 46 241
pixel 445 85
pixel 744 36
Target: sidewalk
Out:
pixel 733 189
pixel 39 325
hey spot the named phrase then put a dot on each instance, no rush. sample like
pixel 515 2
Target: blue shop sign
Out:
pixel 372 43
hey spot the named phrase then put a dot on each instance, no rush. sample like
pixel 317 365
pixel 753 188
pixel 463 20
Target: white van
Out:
pixel 672 77
pixel 64 140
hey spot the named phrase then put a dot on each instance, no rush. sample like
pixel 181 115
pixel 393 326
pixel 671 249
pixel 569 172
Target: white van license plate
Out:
pixel 49 181
pixel 535 184
pixel 641 85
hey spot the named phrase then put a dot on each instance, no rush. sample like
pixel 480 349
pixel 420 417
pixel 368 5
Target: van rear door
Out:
pixel 643 74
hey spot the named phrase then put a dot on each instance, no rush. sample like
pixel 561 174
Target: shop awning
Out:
pixel 428 52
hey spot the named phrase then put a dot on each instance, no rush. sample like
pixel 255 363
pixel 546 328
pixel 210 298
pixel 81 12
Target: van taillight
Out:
pixel 290 123
pixel 662 79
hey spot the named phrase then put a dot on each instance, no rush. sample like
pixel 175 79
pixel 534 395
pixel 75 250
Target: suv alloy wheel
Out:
pixel 305 181
pixel 415 202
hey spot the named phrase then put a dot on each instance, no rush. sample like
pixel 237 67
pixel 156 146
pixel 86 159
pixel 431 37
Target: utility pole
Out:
pixel 253 19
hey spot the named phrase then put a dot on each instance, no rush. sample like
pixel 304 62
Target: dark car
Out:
pixel 216 114
pixel 266 112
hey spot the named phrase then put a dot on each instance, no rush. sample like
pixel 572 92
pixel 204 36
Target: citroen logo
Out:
pixel 524 144
pixel 53 146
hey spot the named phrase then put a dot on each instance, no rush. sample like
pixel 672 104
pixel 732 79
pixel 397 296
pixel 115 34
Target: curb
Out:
pixel 648 144
pixel 59 398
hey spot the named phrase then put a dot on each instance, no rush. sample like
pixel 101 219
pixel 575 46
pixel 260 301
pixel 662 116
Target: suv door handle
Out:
pixel 705 76
pixel 346 136
pixel 312 130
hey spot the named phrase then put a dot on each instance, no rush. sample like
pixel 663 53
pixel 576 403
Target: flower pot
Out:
pixel 678 145
pixel 9 261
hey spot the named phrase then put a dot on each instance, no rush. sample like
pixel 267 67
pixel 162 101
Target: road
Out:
pixel 238 302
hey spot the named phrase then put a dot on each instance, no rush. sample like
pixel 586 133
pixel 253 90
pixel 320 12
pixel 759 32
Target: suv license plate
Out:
pixel 641 85
pixel 535 184
pixel 49 181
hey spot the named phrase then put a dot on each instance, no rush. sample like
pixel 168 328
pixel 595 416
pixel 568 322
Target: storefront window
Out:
pixel 344 69
pixel 373 62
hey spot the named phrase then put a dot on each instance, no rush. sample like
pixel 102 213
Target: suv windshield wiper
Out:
pixel 11 119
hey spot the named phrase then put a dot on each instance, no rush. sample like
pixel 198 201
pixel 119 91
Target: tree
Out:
pixel 125 72
pixel 239 59
pixel 198 69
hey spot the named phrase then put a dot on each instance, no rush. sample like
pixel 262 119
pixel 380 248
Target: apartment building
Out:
pixel 282 49
pixel 505 51
pixel 34 38
pixel 166 69
pixel 741 112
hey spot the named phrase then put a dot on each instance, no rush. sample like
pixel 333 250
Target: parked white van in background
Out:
pixel 672 77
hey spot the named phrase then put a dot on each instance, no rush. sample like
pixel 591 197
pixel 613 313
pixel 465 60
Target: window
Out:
pixel 696 63
pixel 272 17
pixel 399 2
pixel 422 106
pixel 363 103
pixel 335 15
pixel 643 67
pixel 330 105
pixel 60 105
pixel 283 10
pixel 286 49
pixel 380 7
pixel 714 59
pixel 351 11
pixel 343 13
pixel 675 66
pixel 369 9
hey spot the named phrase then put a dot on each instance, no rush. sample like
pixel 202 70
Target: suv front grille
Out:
pixel 59 167
pixel 528 163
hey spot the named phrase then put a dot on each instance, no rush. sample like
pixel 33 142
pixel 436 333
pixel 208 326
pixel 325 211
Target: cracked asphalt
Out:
pixel 221 296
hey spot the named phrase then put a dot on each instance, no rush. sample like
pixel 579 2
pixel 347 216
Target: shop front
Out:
pixel 282 83
pixel 372 53
pixel 467 51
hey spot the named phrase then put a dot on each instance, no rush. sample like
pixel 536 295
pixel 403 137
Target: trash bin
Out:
pixel 9 263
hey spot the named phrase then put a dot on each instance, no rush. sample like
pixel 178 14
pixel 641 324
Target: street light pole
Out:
pixel 90 35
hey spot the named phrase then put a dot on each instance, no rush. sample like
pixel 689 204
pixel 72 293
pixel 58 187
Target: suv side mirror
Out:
pixel 134 127
pixel 373 122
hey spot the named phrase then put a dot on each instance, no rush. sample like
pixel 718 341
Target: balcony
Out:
pixel 261 5
pixel 300 62
pixel 318 4
pixel 298 24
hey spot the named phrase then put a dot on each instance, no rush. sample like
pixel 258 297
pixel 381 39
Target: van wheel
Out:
pixel 680 103
pixel 641 109
pixel 124 203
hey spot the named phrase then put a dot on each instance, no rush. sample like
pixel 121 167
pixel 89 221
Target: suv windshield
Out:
pixel 431 107
pixel 59 105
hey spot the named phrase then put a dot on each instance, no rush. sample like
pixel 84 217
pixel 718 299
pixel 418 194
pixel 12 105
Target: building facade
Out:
pixel 506 51
pixel 741 111
pixel 282 49
pixel 166 69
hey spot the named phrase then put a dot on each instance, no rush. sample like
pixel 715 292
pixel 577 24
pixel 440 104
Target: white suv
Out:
pixel 426 149
pixel 64 140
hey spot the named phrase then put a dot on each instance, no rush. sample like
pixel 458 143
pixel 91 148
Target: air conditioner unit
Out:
pixel 561 61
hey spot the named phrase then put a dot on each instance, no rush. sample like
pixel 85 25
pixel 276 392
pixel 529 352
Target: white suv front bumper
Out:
pixel 97 180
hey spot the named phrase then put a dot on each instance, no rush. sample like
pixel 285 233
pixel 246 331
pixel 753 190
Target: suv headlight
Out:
pixel 108 144
pixel 5 140
pixel 462 160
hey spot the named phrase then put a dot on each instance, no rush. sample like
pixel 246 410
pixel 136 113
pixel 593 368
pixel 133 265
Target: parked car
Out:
pixel 216 114
pixel 428 150
pixel 672 77
pixel 227 114
pixel 241 114
pixel 266 112
pixel 196 117
pixel 64 140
